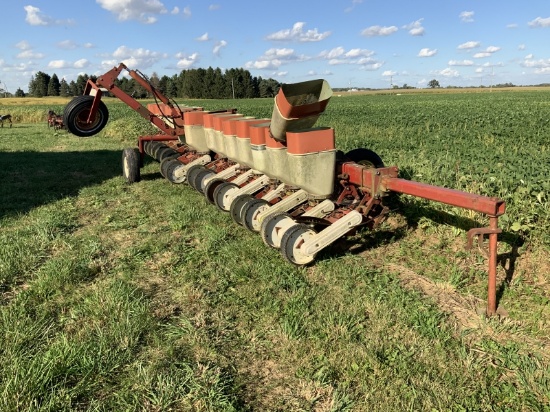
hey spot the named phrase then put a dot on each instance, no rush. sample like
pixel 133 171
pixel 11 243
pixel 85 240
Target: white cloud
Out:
pixel 427 52
pixel 540 22
pixel 186 61
pixel 512 26
pixel 360 57
pixel 522 47
pixel 88 45
pixel 447 72
pixel 29 54
pixel 175 10
pixel 296 33
pixel 374 31
pixel 389 73
pixel 23 45
pixel 467 16
pixel 219 45
pixel 67 44
pixel 137 58
pixel 353 4
pixel 469 45
pixel 415 28
pixel 59 64
pixel 204 37
pixel 35 17
pixel 141 10
pixel 460 63
pixel 187 11
pixel 481 55
pixel 492 49
pixel 273 58
pixel 529 57
pixel 213 7
pixel 81 64
pixel 537 64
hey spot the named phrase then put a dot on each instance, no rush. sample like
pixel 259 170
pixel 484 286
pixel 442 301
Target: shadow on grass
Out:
pixel 31 179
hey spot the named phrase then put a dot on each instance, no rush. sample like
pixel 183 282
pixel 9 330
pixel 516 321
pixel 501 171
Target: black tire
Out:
pixel 76 114
pixel 249 210
pixel 199 178
pixel 210 187
pixel 191 173
pixel 219 194
pixel 365 157
pixel 164 152
pixel 289 242
pixel 164 164
pixel 130 165
pixel 268 224
pixel 171 168
pixel 237 207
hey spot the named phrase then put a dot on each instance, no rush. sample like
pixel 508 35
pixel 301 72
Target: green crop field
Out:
pixel 146 297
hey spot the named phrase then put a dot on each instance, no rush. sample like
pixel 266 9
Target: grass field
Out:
pixel 146 297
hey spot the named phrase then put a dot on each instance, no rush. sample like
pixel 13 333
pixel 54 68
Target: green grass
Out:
pixel 146 297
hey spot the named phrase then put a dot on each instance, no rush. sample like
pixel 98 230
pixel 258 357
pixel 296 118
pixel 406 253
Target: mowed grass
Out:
pixel 146 297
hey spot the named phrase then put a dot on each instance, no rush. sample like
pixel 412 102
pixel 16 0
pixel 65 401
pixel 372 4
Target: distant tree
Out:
pixel 64 89
pixel 72 88
pixel 268 87
pixel 54 86
pixel 38 86
pixel 19 93
pixel 433 84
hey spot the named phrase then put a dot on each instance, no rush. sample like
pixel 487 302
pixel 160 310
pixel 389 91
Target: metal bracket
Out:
pixel 480 232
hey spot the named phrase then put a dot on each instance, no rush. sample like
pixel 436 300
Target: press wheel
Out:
pixel 220 193
pixel 237 207
pixel 250 212
pixel 269 230
pixel 291 243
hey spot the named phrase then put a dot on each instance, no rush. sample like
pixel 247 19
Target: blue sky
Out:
pixel 357 43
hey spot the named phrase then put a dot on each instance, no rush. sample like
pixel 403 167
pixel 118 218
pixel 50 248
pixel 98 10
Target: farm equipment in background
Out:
pixel 55 120
pixel 281 177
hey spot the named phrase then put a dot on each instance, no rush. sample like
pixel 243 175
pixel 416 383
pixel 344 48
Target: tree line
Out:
pixel 191 84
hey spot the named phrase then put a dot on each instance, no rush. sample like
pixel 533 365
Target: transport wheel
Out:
pixel 365 157
pixel 198 184
pixel 219 195
pixel 210 187
pixel 291 242
pixel 175 171
pixel 250 212
pixel 237 207
pixel 191 173
pixel 269 230
pixel 130 165
pixel 76 114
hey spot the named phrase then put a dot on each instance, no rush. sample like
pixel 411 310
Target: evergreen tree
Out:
pixel 64 89
pixel 39 84
pixel 19 93
pixel 72 88
pixel 54 86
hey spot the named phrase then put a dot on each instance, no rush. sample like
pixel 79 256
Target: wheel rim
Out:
pixel 291 244
pixel 220 195
pixel 250 212
pixel 237 207
pixel 273 228
pixel 199 180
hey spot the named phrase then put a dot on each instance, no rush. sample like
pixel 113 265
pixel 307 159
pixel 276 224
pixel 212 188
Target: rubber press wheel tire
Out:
pixel 237 207
pixel 130 165
pixel 291 243
pixel 365 157
pixel 76 114
pixel 191 174
pixel 219 195
pixel 199 179
pixel 250 211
